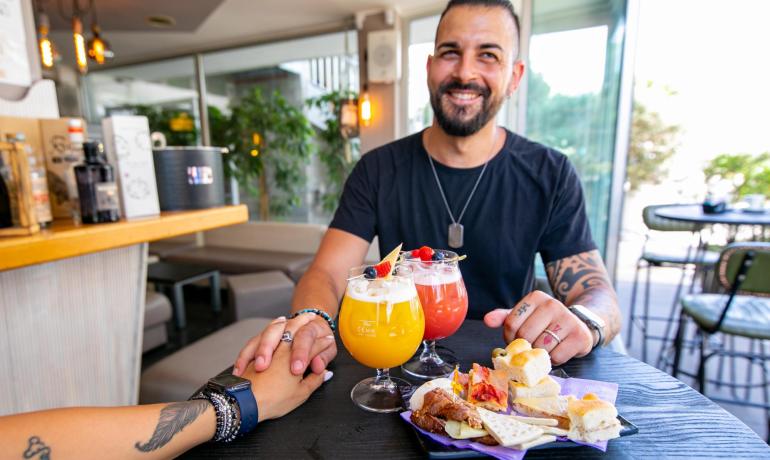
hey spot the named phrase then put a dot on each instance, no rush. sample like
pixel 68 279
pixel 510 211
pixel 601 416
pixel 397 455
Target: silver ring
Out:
pixel 286 337
pixel 552 334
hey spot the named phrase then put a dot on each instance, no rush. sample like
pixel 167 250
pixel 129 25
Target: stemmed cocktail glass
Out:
pixel 444 300
pixel 381 324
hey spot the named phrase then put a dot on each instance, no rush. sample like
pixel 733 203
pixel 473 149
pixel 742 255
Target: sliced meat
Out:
pixel 428 422
pixel 441 404
pixel 487 440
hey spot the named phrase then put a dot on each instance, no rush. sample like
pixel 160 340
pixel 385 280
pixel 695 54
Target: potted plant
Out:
pixel 270 142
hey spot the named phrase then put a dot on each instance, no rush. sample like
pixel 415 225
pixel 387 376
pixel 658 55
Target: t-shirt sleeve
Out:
pixel 567 231
pixel 356 212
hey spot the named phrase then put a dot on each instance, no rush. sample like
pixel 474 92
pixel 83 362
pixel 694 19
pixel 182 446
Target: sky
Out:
pixel 714 55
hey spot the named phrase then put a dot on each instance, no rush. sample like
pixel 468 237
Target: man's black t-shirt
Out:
pixel 528 201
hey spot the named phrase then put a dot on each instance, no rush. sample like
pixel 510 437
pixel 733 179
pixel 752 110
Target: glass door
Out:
pixel 572 94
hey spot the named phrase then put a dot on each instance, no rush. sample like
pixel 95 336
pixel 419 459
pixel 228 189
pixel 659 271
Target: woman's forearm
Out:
pixel 156 431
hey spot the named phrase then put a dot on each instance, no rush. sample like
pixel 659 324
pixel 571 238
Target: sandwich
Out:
pixel 444 413
pixel 546 387
pixel 487 388
pixel 592 420
pixel 553 407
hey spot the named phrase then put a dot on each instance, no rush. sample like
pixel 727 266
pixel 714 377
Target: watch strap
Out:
pixel 247 404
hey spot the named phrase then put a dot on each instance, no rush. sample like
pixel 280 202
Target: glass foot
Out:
pixel 429 364
pixel 377 395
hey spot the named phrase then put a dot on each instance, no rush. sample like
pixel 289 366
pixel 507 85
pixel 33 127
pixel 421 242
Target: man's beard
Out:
pixel 453 123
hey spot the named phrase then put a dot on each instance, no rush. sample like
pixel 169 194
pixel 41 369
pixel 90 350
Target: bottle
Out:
pixel 40 197
pixel 6 217
pixel 76 137
pixel 97 189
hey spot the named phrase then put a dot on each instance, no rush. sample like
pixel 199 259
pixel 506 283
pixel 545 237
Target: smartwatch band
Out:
pixel 247 404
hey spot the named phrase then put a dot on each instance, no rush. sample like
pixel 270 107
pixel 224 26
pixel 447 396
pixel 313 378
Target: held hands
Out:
pixel 546 323
pixel 313 344
pixel 277 390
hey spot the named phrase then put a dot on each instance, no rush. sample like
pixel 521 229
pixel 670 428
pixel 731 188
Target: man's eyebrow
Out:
pixel 447 45
pixel 491 45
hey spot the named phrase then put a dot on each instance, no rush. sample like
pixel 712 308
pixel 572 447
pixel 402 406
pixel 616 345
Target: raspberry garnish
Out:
pixel 415 253
pixel 382 269
pixel 426 254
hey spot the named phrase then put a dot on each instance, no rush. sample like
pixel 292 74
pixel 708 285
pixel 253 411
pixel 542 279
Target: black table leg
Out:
pixel 179 309
pixel 216 298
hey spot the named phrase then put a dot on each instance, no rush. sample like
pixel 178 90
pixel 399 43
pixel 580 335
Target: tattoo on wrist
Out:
pixel 36 449
pixel 522 309
pixel 173 418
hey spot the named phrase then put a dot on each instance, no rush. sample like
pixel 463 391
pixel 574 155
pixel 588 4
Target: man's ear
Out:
pixel 428 62
pixel 516 75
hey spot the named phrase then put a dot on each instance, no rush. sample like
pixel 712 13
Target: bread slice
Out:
pixel 592 420
pixel 501 358
pixel 546 387
pixel 554 407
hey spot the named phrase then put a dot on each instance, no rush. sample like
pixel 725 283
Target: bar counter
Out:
pixel 72 308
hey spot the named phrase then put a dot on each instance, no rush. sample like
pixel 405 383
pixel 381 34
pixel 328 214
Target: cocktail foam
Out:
pixel 436 277
pixel 394 290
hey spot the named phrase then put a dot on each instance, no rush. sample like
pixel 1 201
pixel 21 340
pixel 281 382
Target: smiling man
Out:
pixel 469 184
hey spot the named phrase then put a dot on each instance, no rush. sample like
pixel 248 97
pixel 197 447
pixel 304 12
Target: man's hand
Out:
pixel 313 345
pixel 537 312
pixel 277 389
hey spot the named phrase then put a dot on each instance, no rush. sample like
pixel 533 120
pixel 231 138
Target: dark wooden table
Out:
pixel 694 213
pixel 673 419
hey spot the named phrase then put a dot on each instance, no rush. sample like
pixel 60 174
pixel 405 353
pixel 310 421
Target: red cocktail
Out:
pixel 445 302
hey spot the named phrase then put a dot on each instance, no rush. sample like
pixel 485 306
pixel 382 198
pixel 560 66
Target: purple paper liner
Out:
pixel 607 391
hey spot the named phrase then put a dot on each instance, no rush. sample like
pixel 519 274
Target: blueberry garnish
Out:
pixel 438 255
pixel 370 273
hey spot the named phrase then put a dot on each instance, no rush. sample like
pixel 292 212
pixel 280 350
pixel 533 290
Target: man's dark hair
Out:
pixel 504 4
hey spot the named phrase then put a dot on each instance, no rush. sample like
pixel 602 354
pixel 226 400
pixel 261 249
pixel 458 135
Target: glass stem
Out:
pixel 382 377
pixel 429 351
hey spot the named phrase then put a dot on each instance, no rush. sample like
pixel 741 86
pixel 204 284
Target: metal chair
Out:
pixel 744 311
pixel 692 256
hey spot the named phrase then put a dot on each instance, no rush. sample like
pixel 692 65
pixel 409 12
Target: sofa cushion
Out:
pixel 157 309
pixel 177 376
pixel 237 260
pixel 263 294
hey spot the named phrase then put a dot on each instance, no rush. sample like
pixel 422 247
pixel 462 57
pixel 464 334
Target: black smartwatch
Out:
pixel 240 390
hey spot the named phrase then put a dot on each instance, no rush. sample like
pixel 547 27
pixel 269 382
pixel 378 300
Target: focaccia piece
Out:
pixel 487 388
pixel 546 387
pixel 592 420
pixel 529 367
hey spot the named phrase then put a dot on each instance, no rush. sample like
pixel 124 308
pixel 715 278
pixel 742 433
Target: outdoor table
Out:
pixel 673 419
pixel 176 276
pixel 694 213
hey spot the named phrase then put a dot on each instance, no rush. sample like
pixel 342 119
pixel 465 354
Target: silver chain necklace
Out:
pixel 456 232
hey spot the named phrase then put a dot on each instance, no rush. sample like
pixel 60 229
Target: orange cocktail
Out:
pixel 381 324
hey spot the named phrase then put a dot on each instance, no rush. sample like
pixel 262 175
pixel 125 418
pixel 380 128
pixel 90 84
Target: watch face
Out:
pixel 229 382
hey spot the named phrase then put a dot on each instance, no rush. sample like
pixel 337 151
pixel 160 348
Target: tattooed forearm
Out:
pixel 173 418
pixel 36 449
pixel 582 279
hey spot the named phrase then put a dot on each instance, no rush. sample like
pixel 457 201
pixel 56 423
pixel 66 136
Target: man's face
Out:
pixel 472 70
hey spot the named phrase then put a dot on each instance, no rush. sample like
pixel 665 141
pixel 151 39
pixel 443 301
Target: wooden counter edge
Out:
pixel 65 240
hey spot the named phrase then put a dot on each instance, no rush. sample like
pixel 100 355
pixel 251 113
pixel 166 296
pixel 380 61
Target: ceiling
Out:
pixel 211 24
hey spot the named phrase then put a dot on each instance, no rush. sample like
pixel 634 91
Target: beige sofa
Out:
pixel 252 247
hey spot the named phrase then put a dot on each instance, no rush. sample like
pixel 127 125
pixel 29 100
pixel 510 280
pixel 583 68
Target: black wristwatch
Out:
pixel 594 322
pixel 225 391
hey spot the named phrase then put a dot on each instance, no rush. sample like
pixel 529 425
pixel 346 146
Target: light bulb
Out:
pixel 81 56
pixel 365 110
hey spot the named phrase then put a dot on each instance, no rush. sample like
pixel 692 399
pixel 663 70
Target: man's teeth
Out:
pixel 464 96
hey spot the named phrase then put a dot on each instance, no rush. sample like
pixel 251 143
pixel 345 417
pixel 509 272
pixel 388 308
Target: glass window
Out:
pixel 299 70
pixel 575 58
pixel 164 91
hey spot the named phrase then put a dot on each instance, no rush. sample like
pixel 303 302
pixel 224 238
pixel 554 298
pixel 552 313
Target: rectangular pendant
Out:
pixel 455 235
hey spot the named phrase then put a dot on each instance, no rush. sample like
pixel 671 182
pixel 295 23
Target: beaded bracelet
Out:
pixel 228 417
pixel 318 312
